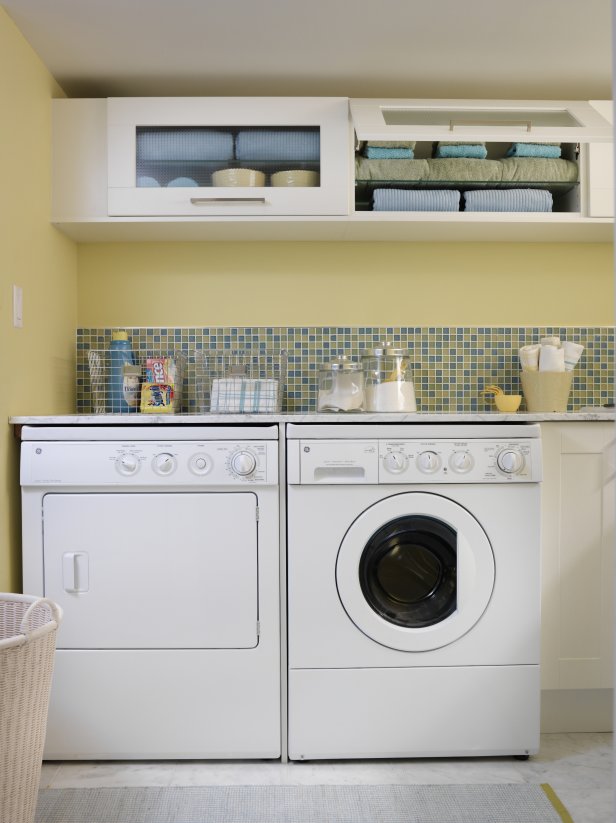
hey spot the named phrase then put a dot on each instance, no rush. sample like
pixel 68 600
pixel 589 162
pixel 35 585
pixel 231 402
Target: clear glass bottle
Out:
pixel 341 385
pixel 388 380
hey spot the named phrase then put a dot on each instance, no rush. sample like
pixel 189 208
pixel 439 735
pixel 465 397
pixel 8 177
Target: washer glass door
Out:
pixel 415 571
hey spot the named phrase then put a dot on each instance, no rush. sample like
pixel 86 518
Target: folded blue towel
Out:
pixel 416 200
pixel 182 183
pixel 144 181
pixel 280 145
pixel 378 153
pixel 475 150
pixel 508 200
pixel 184 144
pixel 534 150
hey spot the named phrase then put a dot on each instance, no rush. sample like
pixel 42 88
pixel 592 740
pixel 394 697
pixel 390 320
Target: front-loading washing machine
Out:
pixel 413 590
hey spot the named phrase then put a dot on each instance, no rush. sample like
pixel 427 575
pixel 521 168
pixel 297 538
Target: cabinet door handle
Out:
pixel 204 201
pixel 454 123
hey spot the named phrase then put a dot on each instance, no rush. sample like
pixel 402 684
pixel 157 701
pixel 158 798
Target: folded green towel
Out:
pixel 366 169
pixel 538 169
pixel 464 169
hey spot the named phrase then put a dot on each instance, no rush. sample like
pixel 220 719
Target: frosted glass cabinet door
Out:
pixel 484 120
pixel 228 156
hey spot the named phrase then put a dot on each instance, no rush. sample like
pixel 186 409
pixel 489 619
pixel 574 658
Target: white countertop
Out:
pixel 590 413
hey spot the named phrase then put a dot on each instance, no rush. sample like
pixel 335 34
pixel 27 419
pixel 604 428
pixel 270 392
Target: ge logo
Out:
pixel 306 448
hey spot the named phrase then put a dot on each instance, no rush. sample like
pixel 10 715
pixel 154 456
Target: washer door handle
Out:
pixel 466 572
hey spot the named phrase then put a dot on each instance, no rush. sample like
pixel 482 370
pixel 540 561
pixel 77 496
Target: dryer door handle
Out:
pixel 466 572
pixel 75 572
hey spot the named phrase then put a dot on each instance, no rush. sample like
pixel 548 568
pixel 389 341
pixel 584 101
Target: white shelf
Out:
pixel 364 226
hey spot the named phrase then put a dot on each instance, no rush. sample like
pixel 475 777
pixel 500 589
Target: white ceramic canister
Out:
pixel 388 380
pixel 341 385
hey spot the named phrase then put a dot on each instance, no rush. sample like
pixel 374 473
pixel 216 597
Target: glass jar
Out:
pixel 388 380
pixel 341 385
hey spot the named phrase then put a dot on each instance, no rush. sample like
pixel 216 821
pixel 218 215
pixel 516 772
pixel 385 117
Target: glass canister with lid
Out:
pixel 388 380
pixel 341 385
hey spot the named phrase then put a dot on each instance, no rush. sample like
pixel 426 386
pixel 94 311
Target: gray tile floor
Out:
pixel 577 766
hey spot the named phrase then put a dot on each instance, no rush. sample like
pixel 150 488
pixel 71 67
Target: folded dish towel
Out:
pixel 508 200
pixel 379 153
pixel 573 352
pixel 534 150
pixel 390 169
pixel 475 150
pixel 538 169
pixel 416 200
pixel 242 394
pixel 281 145
pixel 184 144
pixel 462 169
pixel 529 357
pixel 551 359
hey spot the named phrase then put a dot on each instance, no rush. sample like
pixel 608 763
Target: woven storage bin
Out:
pixel 546 391
pixel 28 628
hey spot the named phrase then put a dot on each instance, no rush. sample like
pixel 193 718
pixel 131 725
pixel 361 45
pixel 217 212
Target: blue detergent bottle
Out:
pixel 120 353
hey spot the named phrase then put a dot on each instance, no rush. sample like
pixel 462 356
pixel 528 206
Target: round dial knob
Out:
pixel 200 463
pixel 127 464
pixel 164 464
pixel 510 461
pixel 461 462
pixel 395 462
pixel 243 463
pixel 428 462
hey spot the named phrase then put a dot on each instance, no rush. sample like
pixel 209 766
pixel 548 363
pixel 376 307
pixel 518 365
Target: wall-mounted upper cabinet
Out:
pixel 321 169
pixel 232 156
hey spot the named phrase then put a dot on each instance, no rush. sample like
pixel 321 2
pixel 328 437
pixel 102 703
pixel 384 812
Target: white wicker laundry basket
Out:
pixel 28 627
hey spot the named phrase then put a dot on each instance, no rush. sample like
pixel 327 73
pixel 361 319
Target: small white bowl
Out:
pixel 295 177
pixel 238 177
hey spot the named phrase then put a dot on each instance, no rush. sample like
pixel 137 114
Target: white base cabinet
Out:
pixel 578 502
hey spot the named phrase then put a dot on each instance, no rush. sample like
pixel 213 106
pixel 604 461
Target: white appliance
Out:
pixel 413 569
pixel 161 544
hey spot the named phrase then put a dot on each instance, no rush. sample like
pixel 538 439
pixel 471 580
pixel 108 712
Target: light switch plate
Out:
pixel 18 307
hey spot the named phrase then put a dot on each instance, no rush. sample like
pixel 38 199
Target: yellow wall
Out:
pixel 38 358
pixel 459 284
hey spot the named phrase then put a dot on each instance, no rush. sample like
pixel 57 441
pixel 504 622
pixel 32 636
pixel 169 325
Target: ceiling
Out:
pixel 534 49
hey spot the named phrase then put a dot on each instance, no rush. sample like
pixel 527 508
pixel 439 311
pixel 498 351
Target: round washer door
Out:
pixel 415 571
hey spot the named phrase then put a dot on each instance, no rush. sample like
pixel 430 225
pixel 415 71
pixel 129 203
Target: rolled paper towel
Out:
pixel 529 357
pixel 551 359
pixel 550 341
pixel 573 352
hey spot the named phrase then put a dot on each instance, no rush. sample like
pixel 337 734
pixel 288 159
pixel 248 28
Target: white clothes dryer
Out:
pixel 413 590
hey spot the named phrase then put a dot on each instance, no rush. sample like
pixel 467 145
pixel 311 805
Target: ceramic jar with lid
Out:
pixel 341 385
pixel 388 380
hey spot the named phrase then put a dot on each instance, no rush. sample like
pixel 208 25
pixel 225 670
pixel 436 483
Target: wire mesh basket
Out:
pixel 240 380
pixel 149 382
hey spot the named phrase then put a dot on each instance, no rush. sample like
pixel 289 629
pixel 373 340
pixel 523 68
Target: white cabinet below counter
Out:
pixel 578 502
pixel 108 187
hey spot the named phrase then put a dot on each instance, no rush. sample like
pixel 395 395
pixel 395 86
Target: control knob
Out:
pixel 243 463
pixel 164 464
pixel 127 464
pixel 428 462
pixel 461 462
pixel 510 461
pixel 395 462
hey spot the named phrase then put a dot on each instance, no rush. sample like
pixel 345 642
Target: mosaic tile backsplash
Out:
pixel 451 364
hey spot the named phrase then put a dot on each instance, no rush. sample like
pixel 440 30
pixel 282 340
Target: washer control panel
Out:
pixel 182 463
pixel 459 461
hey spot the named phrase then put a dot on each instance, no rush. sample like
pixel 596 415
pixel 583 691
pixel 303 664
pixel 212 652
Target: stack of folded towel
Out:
pixel 416 200
pixel 474 150
pixel 551 150
pixel 526 200
pixel 550 354
pixel 388 150
pixel 297 146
